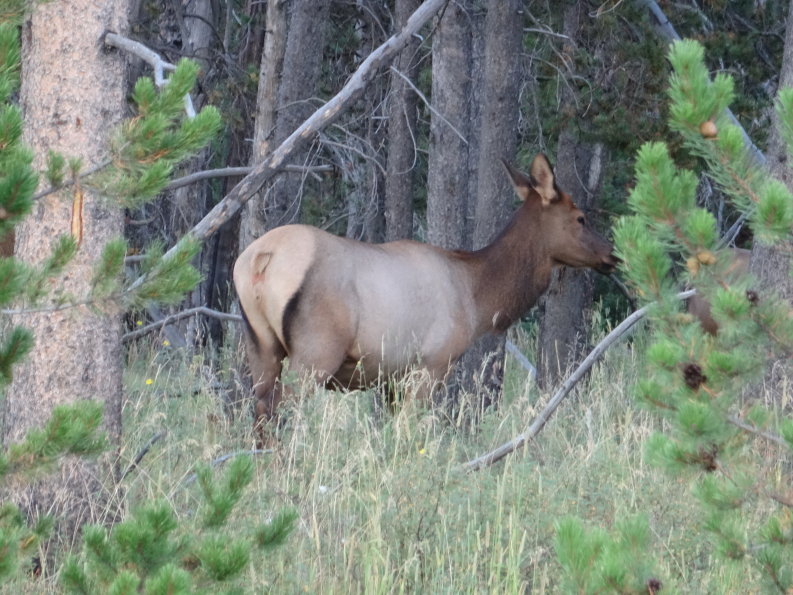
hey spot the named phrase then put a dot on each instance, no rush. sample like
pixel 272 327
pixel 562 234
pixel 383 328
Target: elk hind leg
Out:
pixel 265 355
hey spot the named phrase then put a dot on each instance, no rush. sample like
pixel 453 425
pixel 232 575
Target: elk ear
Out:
pixel 542 179
pixel 520 182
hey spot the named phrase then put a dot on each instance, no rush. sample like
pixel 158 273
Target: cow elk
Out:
pixel 350 313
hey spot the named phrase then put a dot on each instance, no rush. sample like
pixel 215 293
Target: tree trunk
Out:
pixel 305 43
pixel 563 323
pixel 482 366
pixel 447 176
pixel 197 21
pixel 293 47
pixel 566 304
pixel 402 148
pixel 73 93
pixel 772 265
pixel 253 220
pixel 364 154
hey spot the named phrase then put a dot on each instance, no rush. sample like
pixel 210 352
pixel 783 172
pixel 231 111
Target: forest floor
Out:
pixel 383 503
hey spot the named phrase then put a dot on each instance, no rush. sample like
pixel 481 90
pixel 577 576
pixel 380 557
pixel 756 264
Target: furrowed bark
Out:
pixel 72 93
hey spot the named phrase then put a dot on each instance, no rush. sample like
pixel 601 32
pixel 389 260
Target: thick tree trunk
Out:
pixel 772 266
pixel 402 147
pixel 447 177
pixel 73 93
pixel 483 363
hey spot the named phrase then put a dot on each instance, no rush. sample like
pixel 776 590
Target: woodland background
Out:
pixel 416 156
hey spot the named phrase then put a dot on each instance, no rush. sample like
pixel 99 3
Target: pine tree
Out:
pixel 153 552
pixel 72 430
pixel 703 385
pixel 140 552
pixel 597 562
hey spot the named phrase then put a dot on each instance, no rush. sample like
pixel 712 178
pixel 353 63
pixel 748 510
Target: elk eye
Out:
pixel 582 221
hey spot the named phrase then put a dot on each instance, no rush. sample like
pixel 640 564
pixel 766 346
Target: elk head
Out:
pixel 567 236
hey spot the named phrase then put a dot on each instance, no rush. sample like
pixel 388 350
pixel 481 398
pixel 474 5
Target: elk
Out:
pixel 350 312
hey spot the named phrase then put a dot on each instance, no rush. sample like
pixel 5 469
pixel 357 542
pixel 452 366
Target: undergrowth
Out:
pixel 383 504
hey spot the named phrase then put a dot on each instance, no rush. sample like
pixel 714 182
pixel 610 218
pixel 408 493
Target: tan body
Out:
pixel 700 307
pixel 351 312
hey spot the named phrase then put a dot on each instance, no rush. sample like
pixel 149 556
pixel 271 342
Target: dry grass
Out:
pixel 384 505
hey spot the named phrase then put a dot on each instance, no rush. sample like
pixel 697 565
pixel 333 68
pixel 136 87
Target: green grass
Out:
pixel 384 505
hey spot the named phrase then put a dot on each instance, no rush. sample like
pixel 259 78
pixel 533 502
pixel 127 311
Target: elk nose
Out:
pixel 609 264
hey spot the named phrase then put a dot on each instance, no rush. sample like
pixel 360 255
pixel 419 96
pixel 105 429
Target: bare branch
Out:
pixel 521 359
pixel 153 59
pixel 227 172
pixel 547 31
pixel 775 438
pixel 72 180
pixel 142 453
pixel 537 425
pixel 426 101
pixel 179 316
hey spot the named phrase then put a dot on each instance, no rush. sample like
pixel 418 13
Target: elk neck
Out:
pixel 509 275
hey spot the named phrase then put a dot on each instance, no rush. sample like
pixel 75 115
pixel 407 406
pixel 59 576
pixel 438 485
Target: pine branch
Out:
pixel 665 29
pixel 222 459
pixel 72 181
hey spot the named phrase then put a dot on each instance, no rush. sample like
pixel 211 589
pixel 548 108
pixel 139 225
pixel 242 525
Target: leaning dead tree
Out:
pixel 320 119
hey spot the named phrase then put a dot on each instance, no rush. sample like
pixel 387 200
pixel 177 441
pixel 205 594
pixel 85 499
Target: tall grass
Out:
pixel 384 505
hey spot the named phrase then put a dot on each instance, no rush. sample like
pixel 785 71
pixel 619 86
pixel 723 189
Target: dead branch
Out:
pixel 179 316
pixel 775 438
pixel 537 425
pixel 521 359
pixel 320 119
pixel 142 453
pixel 72 181
pixel 227 172
pixel 426 102
pixel 152 58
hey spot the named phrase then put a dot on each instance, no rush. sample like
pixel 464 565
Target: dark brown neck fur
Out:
pixel 511 273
